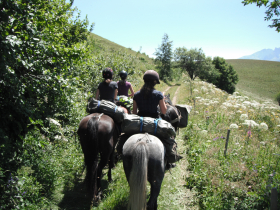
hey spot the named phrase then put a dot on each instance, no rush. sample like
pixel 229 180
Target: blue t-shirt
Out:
pixel 148 106
pixel 107 91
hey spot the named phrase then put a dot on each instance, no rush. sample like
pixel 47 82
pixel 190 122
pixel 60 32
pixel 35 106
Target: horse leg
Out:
pixel 111 159
pixel 155 189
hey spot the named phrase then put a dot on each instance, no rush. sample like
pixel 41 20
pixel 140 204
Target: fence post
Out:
pixel 273 199
pixel 225 152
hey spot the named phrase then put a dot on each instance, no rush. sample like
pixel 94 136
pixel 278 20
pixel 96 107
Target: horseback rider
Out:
pixel 146 101
pixel 124 85
pixel 107 89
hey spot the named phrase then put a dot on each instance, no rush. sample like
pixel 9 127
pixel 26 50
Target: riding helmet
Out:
pixel 151 75
pixel 107 73
pixel 123 74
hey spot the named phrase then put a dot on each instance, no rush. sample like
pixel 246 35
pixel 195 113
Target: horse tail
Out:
pixel 91 159
pixel 138 177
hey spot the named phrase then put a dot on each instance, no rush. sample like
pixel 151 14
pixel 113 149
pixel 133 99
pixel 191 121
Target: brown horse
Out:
pixel 98 136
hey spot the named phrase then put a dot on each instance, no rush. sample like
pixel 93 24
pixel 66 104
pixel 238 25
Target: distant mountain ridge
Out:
pixel 265 54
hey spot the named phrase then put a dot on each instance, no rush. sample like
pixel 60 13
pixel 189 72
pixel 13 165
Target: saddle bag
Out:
pixel 133 124
pixel 106 107
pixel 185 110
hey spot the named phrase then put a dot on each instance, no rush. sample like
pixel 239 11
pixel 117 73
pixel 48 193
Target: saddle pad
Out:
pixel 133 124
pixel 185 110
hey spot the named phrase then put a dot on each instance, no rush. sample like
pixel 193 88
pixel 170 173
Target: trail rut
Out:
pixel 174 193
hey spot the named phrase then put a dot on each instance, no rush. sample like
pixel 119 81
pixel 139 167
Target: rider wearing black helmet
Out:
pixel 124 86
pixel 147 99
pixel 108 89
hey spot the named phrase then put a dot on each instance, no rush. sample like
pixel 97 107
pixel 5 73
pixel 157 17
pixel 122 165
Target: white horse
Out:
pixel 143 159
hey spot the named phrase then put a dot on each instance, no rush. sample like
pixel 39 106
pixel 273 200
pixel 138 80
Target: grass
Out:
pixel 258 78
pixel 244 177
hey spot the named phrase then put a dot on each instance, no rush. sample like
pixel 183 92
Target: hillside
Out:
pixel 259 79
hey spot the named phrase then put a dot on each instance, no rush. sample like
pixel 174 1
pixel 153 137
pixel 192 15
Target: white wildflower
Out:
pixel 243 117
pixel 53 121
pixel 233 126
pixel 203 89
pixel 246 103
pixel 243 107
pixel 251 123
pixel 204 132
pixel 263 143
pixel 263 126
pixel 223 107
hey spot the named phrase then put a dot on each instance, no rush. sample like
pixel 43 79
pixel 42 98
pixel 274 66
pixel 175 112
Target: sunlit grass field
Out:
pixel 260 79
pixel 241 178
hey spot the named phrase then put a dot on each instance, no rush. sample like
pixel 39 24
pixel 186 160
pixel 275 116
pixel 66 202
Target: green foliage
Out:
pixel 40 43
pixel 163 58
pixel 228 76
pixel 273 9
pixel 192 61
pixel 277 98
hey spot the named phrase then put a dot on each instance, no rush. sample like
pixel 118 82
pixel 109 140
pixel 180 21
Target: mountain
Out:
pixel 265 54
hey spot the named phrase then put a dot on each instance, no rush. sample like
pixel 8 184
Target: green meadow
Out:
pixel 257 78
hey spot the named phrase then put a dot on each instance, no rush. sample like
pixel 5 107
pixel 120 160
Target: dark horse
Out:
pixel 172 114
pixel 143 159
pixel 98 135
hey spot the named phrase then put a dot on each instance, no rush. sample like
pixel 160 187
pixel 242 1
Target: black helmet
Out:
pixel 123 74
pixel 151 75
pixel 107 73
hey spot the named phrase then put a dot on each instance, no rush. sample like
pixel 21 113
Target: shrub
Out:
pixel 277 98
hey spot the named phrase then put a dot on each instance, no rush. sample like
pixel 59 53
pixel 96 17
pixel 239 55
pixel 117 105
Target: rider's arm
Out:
pixel 162 106
pixel 134 107
pixel 116 94
pixel 97 94
pixel 131 91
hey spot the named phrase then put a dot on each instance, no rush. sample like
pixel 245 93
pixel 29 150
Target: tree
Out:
pixel 194 62
pixel 273 9
pixel 228 76
pixel 163 58
pixel 209 73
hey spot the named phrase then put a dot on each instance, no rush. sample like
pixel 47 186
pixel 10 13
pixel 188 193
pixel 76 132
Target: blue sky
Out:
pixel 222 28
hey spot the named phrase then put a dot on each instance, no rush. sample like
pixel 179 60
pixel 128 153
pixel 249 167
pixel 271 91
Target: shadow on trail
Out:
pixel 78 198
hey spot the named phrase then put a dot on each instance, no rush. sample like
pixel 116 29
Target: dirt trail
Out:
pixel 173 190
